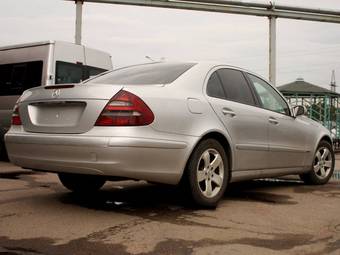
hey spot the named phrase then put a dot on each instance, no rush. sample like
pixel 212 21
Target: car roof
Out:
pixel 212 64
pixel 204 65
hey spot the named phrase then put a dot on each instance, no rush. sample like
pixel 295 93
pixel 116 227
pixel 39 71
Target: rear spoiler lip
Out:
pixel 62 86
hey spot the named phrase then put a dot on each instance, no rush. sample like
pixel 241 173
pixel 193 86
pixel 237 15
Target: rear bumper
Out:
pixel 155 160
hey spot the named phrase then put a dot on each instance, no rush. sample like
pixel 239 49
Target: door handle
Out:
pixel 274 121
pixel 227 111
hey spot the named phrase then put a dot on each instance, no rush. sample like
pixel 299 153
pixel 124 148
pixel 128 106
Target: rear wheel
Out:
pixel 207 173
pixel 323 165
pixel 81 183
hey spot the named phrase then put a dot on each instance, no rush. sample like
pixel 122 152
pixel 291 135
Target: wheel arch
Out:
pixel 310 177
pixel 323 137
pixel 223 140
pixel 326 138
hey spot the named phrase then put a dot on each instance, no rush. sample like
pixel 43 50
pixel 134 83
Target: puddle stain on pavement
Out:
pixel 163 204
pixel 15 175
pixel 278 242
pixel 31 178
pixel 147 201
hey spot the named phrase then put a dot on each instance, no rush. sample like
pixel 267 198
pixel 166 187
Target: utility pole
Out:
pixel 79 17
pixel 272 50
pixel 333 82
pixel 270 10
pixel 272 46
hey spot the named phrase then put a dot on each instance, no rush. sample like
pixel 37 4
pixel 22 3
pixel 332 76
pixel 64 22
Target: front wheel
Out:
pixel 207 173
pixel 81 183
pixel 323 165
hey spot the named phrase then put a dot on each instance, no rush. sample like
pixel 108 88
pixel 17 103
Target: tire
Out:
pixel 3 152
pixel 207 179
pixel 322 166
pixel 80 183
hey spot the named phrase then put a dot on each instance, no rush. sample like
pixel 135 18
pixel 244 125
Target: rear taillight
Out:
pixel 16 116
pixel 125 109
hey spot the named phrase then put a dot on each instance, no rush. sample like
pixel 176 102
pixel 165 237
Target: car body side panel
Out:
pixel 137 153
pixel 248 130
pixel 173 116
pixel 247 127
pixel 287 141
pixel 292 141
pixel 315 133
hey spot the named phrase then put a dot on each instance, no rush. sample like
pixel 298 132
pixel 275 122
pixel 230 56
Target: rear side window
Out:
pixel 236 86
pixel 214 87
pixel 155 73
pixel 16 78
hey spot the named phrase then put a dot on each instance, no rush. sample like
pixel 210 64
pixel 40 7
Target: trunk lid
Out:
pixel 68 108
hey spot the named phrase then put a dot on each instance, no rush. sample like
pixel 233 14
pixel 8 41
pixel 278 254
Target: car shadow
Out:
pixel 145 197
pixel 263 190
pixel 128 195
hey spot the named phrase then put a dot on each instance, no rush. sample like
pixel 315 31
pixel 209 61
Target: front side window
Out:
pixel 236 86
pixel 270 99
pixel 17 77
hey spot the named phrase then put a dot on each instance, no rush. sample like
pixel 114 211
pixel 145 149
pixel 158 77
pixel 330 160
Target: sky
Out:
pixel 310 50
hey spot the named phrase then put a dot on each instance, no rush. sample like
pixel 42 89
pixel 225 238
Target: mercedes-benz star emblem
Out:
pixel 56 93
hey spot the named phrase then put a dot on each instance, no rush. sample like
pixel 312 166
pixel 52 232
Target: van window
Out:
pixel 74 73
pixel 236 86
pixel 68 72
pixel 92 71
pixel 17 77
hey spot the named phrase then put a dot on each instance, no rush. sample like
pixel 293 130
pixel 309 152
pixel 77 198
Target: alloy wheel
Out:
pixel 323 163
pixel 210 173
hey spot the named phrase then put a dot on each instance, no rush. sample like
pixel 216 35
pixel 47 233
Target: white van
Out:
pixel 43 63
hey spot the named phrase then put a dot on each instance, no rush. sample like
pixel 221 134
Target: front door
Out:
pixel 286 135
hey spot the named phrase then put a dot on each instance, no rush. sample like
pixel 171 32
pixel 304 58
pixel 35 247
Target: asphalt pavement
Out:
pixel 276 216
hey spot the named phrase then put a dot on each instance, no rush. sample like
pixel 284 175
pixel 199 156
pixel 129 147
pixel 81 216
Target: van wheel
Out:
pixel 3 152
pixel 207 173
pixel 81 183
pixel 323 165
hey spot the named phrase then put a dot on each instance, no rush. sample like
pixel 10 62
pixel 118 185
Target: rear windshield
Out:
pixel 154 73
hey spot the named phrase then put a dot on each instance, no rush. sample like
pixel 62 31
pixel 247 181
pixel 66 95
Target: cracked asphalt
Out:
pixel 39 216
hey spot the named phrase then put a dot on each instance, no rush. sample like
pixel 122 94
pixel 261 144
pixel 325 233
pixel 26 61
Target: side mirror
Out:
pixel 299 110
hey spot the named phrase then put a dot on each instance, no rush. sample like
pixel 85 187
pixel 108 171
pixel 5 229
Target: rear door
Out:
pixel 287 136
pixel 235 104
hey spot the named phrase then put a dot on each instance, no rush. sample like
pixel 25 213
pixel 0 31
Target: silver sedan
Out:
pixel 203 125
